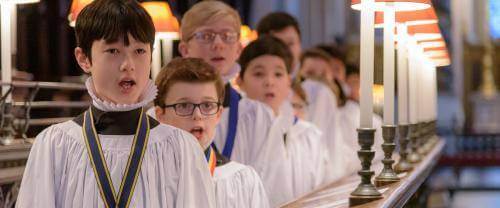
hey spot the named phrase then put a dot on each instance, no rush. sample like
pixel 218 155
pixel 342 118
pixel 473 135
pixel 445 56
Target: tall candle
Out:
pixel 366 63
pixel 412 81
pixel 6 9
pixel 402 75
pixel 434 94
pixel 389 19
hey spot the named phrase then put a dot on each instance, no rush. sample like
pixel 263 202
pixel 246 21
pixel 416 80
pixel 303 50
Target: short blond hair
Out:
pixel 204 12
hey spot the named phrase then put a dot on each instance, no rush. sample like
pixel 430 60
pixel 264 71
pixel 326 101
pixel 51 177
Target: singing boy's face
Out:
pixel 313 67
pixel 291 38
pixel 266 80
pixel 221 52
pixel 119 72
pixel 199 124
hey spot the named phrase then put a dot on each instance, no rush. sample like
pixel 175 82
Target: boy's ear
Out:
pixel 239 82
pixel 218 115
pixel 82 59
pixel 159 114
pixel 183 49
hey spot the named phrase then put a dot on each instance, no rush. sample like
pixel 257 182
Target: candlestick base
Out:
pixel 366 191
pixel 403 165
pixel 387 176
pixel 413 156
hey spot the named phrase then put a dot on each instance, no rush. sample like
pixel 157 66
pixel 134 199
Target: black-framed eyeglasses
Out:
pixel 187 109
pixel 206 37
pixel 299 106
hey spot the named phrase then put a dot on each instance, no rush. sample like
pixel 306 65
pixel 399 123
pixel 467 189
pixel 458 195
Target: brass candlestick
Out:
pixel 387 176
pixel 403 165
pixel 421 138
pixel 413 156
pixel 366 191
pixel 428 137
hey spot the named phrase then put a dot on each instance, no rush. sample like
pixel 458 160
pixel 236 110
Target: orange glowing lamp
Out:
pixel 76 8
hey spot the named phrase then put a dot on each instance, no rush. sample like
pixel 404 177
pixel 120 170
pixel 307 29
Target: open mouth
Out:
pixel 126 84
pixel 269 95
pixel 197 132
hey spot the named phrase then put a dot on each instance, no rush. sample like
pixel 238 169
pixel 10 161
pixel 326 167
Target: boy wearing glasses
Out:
pixel 189 98
pixel 293 160
pixel 210 31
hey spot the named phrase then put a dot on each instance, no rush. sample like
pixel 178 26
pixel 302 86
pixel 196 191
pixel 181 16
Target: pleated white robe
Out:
pixel 287 169
pixel 239 186
pixel 323 112
pixel 58 173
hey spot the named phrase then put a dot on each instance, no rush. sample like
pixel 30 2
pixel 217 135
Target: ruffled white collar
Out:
pixel 148 95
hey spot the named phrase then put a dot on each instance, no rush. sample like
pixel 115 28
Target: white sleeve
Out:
pixel 254 123
pixel 242 188
pixel 322 104
pixel 38 186
pixel 196 188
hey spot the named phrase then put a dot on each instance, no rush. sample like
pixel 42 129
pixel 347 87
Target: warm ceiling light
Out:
pixel 247 35
pixel 432 54
pixel 442 48
pixel 419 17
pixel 19 1
pixel 424 32
pixel 76 8
pixel 441 62
pixel 398 5
pixel 165 22
pixel 434 44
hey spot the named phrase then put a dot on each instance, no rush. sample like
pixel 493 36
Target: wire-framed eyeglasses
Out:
pixel 206 37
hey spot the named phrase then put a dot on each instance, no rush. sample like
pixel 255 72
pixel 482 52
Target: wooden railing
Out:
pixel 394 195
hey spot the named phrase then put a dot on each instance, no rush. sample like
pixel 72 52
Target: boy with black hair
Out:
pixel 114 155
pixel 293 159
pixel 322 109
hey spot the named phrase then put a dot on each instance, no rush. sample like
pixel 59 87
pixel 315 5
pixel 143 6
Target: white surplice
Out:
pixel 238 185
pixel 59 173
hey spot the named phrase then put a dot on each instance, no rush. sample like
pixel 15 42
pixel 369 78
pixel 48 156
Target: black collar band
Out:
pixel 115 122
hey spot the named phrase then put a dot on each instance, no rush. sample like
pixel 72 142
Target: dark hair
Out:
pixel 276 21
pixel 299 91
pixel 265 45
pixel 191 70
pixel 351 69
pixel 111 20
pixel 333 51
pixel 315 53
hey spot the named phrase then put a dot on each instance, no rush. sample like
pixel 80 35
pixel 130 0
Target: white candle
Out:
pixel 156 56
pixel 366 63
pixel 412 81
pixel 389 19
pixel 402 75
pixel 420 68
pixel 6 9
pixel 434 94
